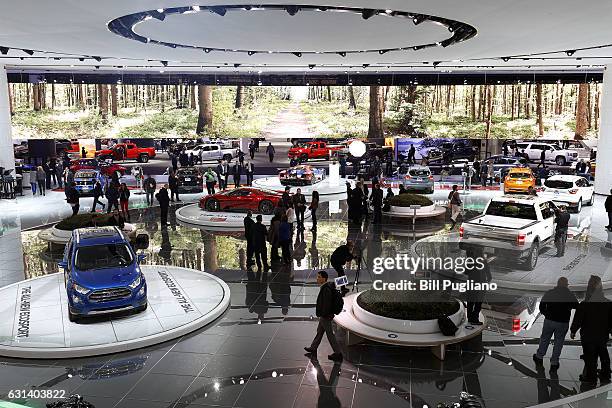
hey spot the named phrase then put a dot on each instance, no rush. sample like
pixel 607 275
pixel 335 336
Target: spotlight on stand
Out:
pixel 297 54
pixel 29 52
pixel 218 10
pixel 570 52
pixel 292 10
pixel 367 13
pixel 4 50
pixel 357 148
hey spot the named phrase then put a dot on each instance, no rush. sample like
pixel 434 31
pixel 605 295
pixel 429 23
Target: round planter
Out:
pixel 403 326
pixel 408 211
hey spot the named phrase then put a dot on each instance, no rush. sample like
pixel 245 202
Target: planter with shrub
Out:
pixel 400 204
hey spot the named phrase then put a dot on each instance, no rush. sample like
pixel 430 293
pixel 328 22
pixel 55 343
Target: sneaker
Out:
pixel 335 356
pixel 538 360
pixel 310 350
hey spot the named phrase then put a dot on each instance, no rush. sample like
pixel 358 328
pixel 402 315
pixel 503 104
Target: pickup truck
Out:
pixel 512 227
pixel 213 151
pixel 129 151
pixel 305 151
pixel 552 152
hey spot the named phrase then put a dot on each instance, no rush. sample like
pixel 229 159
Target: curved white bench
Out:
pixel 423 212
pixel 357 331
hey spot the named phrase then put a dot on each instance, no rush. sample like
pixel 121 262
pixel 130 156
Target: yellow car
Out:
pixel 518 180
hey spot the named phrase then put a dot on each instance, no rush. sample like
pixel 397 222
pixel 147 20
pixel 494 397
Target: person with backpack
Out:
pixel 329 304
pixel 455 205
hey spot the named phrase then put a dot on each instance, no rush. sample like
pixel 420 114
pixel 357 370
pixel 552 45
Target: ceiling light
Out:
pixel 161 71
pixel 506 59
pixel 164 63
pixel 97 67
pixel 311 66
pixel 570 52
pixel 365 65
pixel 4 50
pixel 251 52
pixel 270 52
pixel 381 52
pixel 292 10
pixel 418 19
pixel 207 50
pixel 236 65
pixel 218 10
pixel 436 63
pixel 97 58
pixel 342 54
pixel 29 52
pixel 247 8
pixel 81 59
pixel 297 54
pixel 367 13
pixel 322 8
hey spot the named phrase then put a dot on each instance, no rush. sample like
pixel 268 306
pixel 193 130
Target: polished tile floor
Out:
pixel 253 356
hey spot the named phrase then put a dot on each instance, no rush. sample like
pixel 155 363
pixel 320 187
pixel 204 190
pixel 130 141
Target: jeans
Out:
pixel 33 185
pixel 550 328
pixel 150 195
pixel 325 327
pixel 41 187
pixel 560 240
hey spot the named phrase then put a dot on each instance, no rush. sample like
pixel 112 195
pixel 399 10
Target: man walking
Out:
pixel 270 151
pixel 72 198
pixel 608 206
pixel 592 318
pixel 411 154
pixel 250 171
pixel 556 306
pixel 220 176
pixel 455 205
pixel 542 159
pixel 97 193
pixel 164 202
pixel 252 149
pixel 325 313
pixel 173 183
pixel 236 173
pixel 376 199
pixel 112 196
pixel 248 234
pixel 299 205
pixel 150 185
pixel 260 234
pixel 562 219
pixel 210 180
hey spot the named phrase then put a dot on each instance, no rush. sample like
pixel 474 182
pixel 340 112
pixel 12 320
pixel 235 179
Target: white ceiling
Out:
pixel 505 28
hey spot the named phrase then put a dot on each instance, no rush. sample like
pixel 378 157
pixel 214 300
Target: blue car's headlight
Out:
pixel 136 282
pixel 80 289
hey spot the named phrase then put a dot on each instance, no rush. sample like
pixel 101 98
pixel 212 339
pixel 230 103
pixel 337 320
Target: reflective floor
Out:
pixel 253 356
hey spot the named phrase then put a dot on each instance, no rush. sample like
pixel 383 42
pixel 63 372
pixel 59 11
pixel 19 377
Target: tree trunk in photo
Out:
pixel 527 100
pixel 596 120
pixel 512 104
pixel 489 103
pixel 162 98
pixel 589 117
pixel 375 125
pixel 581 112
pixel 205 114
pixel 540 116
pixel 36 96
pixel 473 104
pixel 10 98
pixel 52 96
pixel 518 101
pixel 329 98
pixel 351 94
pixel 113 89
pixel 103 101
pixel 192 96
pixel 239 97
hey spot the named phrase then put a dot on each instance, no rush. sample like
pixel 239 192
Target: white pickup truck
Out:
pixel 513 227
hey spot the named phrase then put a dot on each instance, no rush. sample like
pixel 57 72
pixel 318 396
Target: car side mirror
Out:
pixel 141 257
pixel 62 265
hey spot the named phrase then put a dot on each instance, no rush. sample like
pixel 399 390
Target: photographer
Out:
pixel 562 218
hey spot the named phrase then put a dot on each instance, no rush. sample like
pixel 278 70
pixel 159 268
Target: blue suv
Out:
pixel 85 181
pixel 102 273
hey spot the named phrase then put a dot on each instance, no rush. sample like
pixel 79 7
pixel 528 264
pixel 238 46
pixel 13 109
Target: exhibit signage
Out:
pixel 176 291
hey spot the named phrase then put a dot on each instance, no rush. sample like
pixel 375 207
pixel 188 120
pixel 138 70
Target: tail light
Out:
pixel 520 239
pixel 407 177
pixel 516 325
pixel 573 190
pixel 431 177
pixel 461 230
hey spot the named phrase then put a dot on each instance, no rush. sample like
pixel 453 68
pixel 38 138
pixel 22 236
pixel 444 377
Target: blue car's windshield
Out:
pixel 103 256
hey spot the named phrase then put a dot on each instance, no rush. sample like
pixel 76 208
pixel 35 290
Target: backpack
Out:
pixel 447 327
pixel 337 301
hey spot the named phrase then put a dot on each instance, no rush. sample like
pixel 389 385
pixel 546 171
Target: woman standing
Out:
pixel 314 205
pixel 124 199
pixel 41 178
pixel 33 177
pixel 455 204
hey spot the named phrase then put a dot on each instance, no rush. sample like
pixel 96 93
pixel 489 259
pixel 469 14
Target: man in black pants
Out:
pixel 97 193
pixel 299 205
pixel 608 205
pixel 592 318
pixel 173 183
pixel 270 151
pixel 248 234
pixel 150 185
pixel 325 314
pixel 376 198
pixel 72 198
pixel 562 219
pixel 542 159
pixel 260 235
pixel 164 203
pixel 342 255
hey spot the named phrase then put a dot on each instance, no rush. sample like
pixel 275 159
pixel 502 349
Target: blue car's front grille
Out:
pixel 108 295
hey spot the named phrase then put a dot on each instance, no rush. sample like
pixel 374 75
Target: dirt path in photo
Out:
pixel 288 124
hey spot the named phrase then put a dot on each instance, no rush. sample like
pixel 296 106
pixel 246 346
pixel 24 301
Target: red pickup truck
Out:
pixel 315 150
pixel 127 151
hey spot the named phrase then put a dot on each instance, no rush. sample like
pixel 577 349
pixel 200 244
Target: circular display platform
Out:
pixel 193 216
pixel 35 321
pixel 324 187
pixel 580 261
pixel 60 237
pixel 430 211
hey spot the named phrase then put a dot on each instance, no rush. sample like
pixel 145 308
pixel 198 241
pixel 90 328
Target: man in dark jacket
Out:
pixel 377 202
pixel 112 196
pixel 97 193
pixel 72 198
pixel 340 256
pixel 173 183
pixel 150 185
pixel 299 205
pixel 325 313
pixel 248 234
pixel 592 318
pixel 260 235
pixel 285 200
pixel 270 151
pixel 219 170
pixel 237 172
pixel 249 170
pixel 411 154
pixel 562 219
pixel 608 205
pixel 164 202
pixel 556 306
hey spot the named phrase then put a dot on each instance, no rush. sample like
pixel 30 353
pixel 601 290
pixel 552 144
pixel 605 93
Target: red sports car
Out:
pixel 242 199
pixel 108 169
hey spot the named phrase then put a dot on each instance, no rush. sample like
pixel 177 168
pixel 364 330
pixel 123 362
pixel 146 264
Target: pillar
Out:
pixel 603 171
pixel 7 155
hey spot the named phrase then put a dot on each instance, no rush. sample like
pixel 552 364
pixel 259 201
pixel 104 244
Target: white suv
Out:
pixel 574 191
pixel 553 152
